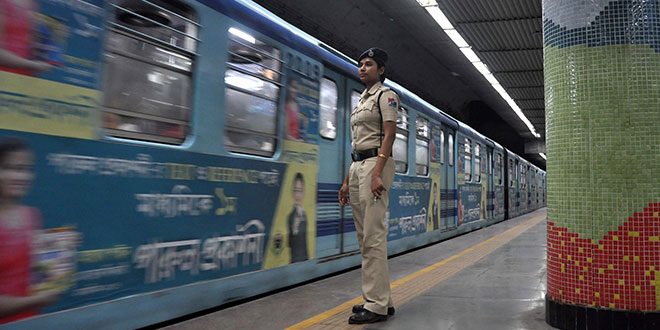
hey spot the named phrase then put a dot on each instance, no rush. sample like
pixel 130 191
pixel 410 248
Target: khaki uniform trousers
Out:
pixel 369 216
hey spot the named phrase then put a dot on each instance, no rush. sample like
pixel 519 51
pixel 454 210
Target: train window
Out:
pixel 523 177
pixel 512 174
pixel 500 170
pixel 477 163
pixel 402 119
pixel 252 89
pixel 355 99
pixel 490 163
pixel 328 107
pixel 496 168
pixel 422 146
pixel 499 174
pixel 147 79
pixel 450 149
pixel 467 167
pixel 400 148
pixel 442 147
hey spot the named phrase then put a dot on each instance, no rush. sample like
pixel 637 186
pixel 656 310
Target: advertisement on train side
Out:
pixel 293 232
pixel 408 209
pixel 88 221
pixel 434 219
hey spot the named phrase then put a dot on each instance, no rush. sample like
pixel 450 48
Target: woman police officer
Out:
pixel 373 125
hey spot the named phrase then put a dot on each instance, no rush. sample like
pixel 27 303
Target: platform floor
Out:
pixel 493 278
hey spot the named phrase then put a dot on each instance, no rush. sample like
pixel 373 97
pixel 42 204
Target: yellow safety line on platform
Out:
pixel 417 283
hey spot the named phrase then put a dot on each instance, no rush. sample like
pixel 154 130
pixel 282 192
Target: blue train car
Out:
pixel 184 154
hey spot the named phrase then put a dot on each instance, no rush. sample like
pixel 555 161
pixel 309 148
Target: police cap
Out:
pixel 379 55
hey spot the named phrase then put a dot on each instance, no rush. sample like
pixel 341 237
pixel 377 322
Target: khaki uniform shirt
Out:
pixel 365 118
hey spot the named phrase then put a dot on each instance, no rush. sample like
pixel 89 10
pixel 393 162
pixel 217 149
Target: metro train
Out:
pixel 189 153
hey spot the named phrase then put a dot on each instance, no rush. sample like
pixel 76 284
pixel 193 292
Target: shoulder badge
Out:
pixel 391 101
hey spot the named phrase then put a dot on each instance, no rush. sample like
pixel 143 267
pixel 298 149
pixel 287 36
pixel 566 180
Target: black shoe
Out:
pixel 360 307
pixel 366 316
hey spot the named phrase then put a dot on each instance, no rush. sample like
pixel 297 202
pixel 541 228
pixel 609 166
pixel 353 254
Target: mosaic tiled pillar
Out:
pixel 602 90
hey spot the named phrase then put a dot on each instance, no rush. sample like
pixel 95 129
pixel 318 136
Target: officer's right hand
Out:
pixel 343 194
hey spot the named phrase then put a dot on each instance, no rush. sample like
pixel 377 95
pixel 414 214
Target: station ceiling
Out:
pixel 506 34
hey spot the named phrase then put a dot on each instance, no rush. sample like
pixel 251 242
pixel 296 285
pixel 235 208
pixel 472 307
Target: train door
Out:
pixel 535 189
pixel 490 191
pixel 512 183
pixel 517 187
pixel 508 211
pixel 500 200
pixel 451 212
pixel 444 185
pixel 528 187
pixel 538 189
pixel 523 188
pixel 334 149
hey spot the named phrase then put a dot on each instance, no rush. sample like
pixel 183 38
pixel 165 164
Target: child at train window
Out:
pixel 297 222
pixel 18 226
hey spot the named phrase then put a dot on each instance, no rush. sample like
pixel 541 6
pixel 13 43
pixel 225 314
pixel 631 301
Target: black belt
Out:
pixel 364 154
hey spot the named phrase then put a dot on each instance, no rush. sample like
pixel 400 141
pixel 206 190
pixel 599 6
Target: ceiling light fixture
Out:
pixel 432 8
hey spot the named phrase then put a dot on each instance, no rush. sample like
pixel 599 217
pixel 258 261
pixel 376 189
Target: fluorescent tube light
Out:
pixel 456 38
pixel 470 54
pixel 440 18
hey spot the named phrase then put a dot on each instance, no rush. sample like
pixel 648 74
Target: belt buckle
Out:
pixel 355 156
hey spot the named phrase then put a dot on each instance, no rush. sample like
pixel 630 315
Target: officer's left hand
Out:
pixel 343 194
pixel 377 186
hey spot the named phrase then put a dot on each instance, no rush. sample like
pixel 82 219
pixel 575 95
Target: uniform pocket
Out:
pixel 364 111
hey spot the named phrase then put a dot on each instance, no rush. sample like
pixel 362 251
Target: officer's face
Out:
pixel 369 71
